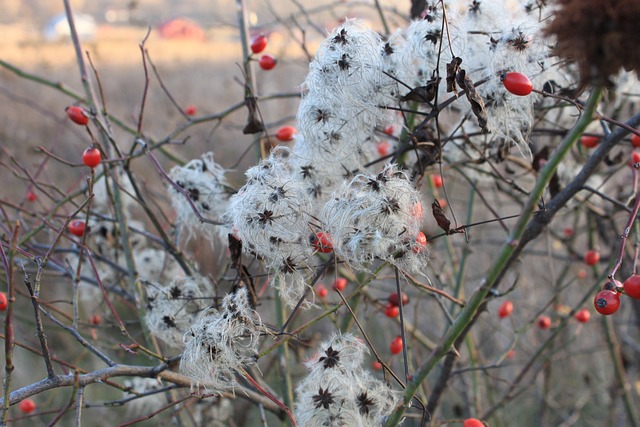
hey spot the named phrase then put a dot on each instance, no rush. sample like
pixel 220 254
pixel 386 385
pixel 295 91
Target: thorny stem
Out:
pixel 8 322
pixel 39 328
pixel 271 397
pixel 624 236
pixel 613 345
pixel 402 331
pixel 283 355
pixel 503 259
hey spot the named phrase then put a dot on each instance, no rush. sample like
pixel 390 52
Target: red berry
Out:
pixel 285 133
pixel 76 227
pixel 259 43
pixel 191 110
pixel 582 274
pixel 77 115
pixel 473 422
pixel 606 302
pixel 437 181
pixel 376 366
pixel 511 354
pixel 383 148
pixel 321 290
pixel 321 242
pixel 95 319
pixel 635 157
pixel 592 257
pixel 635 140
pixel 389 130
pixel 421 243
pixel 27 406
pixel 396 345
pixel 391 311
pixel 393 298
pixel 3 301
pixel 31 196
pixel 544 322
pixel 568 232
pixel 583 315
pixel 505 309
pixel 632 286
pixel 589 141
pixel 517 84
pixel 340 283
pixel 91 157
pixel 267 62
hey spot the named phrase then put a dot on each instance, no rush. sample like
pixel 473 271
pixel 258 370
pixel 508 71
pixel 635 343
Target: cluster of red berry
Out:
pixel 266 61
pixel 392 309
pixel 338 285
pixel 607 301
pixel 91 156
pixel 543 322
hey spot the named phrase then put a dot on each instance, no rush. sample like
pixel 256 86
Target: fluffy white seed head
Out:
pixel 376 216
pixel 205 182
pixel 221 342
pixel 173 308
pixel 338 391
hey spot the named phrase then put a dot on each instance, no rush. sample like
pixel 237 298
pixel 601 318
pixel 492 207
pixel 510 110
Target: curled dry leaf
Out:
pixel 441 218
pixel 477 104
pixel 423 93
pixel 453 68
pixel 254 124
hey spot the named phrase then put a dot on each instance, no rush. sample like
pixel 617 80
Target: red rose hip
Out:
pixel 259 43
pixel 517 84
pixel 77 227
pixel 267 62
pixel 606 302
pixel 583 315
pixel 91 157
pixel 77 115
pixel 396 345
pixel 592 257
pixel 27 406
pixel 505 309
pixel 286 133
pixel 632 286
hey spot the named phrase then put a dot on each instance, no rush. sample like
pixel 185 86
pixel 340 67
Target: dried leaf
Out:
pixel 540 158
pixel 615 160
pixel 441 218
pixel 477 104
pixel 538 163
pixel 423 93
pixel 254 124
pixel 453 68
pixel 235 249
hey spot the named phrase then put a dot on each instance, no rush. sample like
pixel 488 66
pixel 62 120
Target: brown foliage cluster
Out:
pixel 601 36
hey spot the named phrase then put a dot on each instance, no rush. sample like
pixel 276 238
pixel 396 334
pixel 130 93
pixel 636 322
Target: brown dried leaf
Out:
pixel 540 158
pixel 441 218
pixel 453 68
pixel 235 249
pixel 477 104
pixel 423 93
pixel 254 124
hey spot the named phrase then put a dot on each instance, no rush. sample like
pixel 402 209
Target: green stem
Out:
pixel 283 355
pixel 504 258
